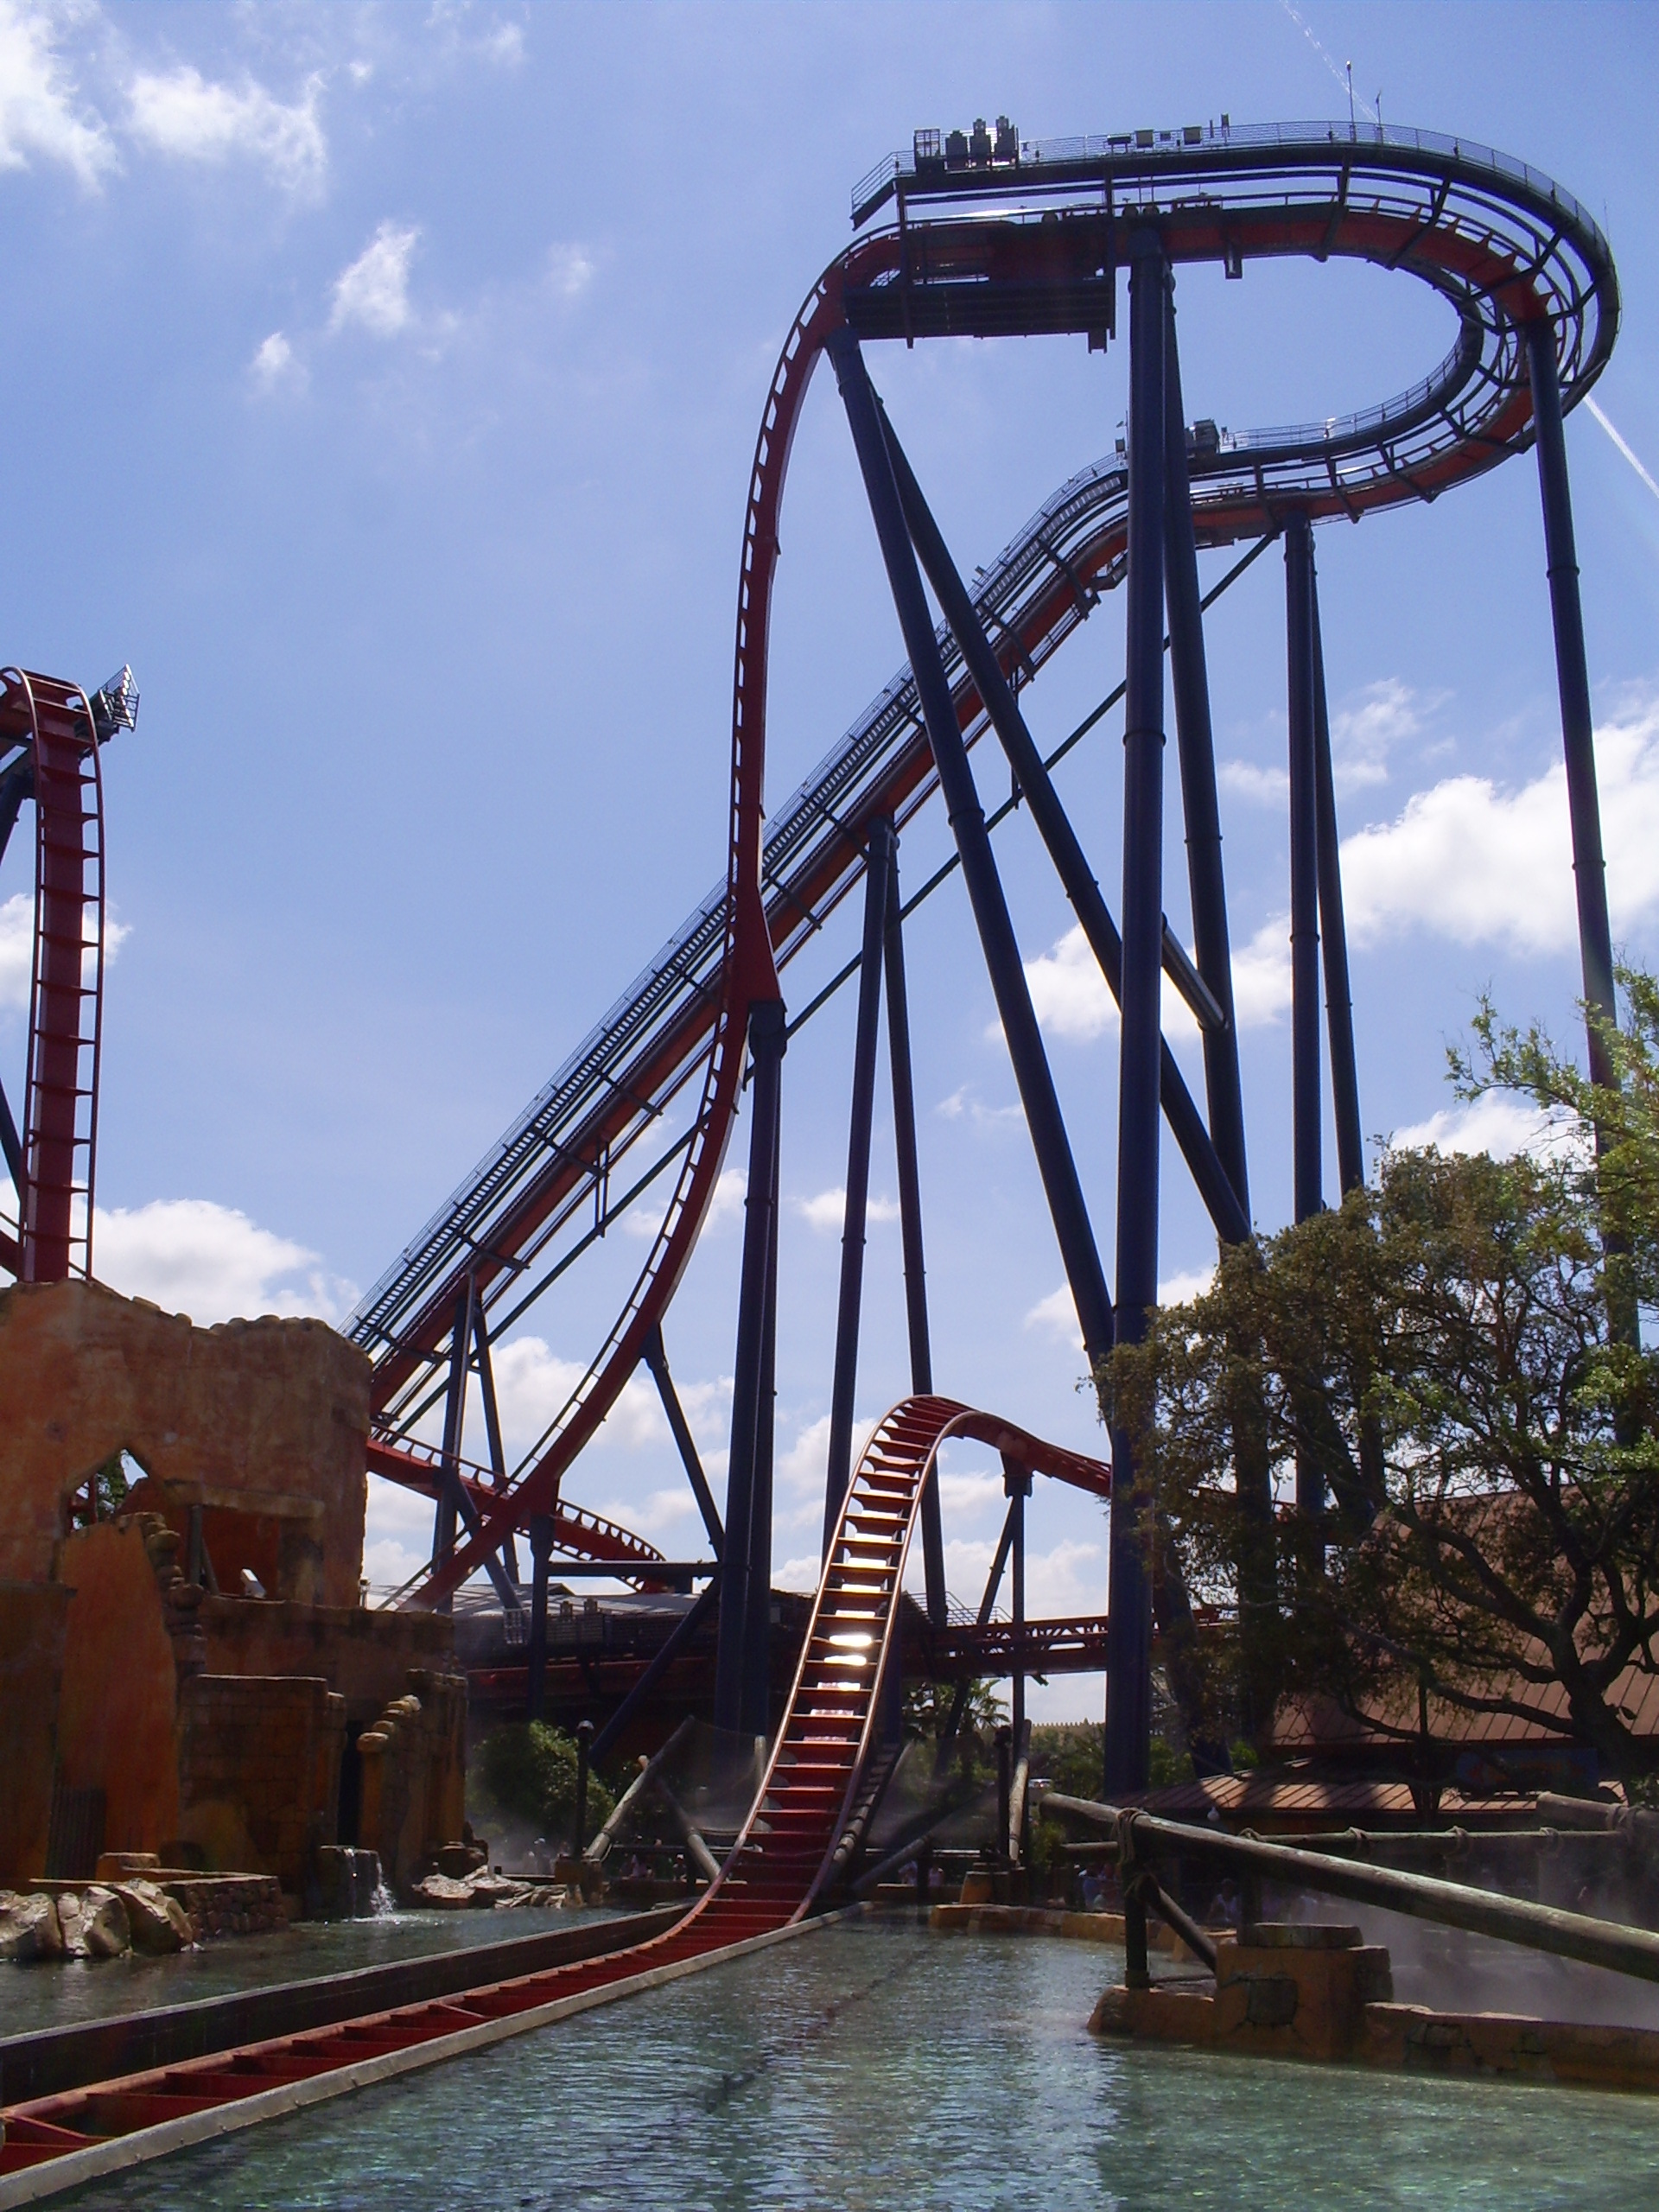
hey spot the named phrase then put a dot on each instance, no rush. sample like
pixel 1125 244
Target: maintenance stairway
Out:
pixel 780 1868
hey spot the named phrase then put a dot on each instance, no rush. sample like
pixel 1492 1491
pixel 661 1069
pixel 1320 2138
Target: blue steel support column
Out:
pixel 1195 742
pixel 1053 826
pixel 910 1224
pixel 755 1713
pixel 1572 681
pixel 866 1036
pixel 1031 1070
pixel 541 1549
pixel 454 1415
pixel 767 1040
pixel 1309 1195
pixel 492 1427
pixel 1128 1667
pixel 1333 931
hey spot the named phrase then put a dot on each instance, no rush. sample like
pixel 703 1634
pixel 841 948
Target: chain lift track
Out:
pixel 1031 246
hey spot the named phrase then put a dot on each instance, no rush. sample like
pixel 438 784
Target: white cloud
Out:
pixel 504 45
pixel 1068 1579
pixel 17 947
pixel 532 1383
pixel 1362 735
pixel 962 1102
pixel 1481 865
pixel 185 115
pixel 570 270
pixel 1498 1122
pixel 827 1211
pixel 1058 1315
pixel 275 364
pixel 644 1220
pixel 374 291
pixel 1257 786
pixel 211 1262
pixel 1071 1000
pixel 1261 975
pixel 37 112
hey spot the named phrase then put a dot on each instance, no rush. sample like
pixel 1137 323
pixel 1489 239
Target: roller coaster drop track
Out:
pixel 1023 247
pixel 781 1867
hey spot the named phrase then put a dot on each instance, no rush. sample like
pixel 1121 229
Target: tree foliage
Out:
pixel 529 1768
pixel 1437 1355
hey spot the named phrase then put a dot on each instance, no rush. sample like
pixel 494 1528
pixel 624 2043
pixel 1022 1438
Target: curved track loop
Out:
pixel 60 1129
pixel 776 1872
pixel 1504 245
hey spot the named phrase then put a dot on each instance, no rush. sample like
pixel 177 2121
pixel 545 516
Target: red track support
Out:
pixel 65 998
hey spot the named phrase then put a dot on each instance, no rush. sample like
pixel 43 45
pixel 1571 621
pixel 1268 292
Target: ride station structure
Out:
pixel 986 235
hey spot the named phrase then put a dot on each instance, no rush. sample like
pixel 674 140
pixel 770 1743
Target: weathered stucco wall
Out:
pixel 266 1418
pixel 32 1616
pixel 365 1656
pixel 116 1714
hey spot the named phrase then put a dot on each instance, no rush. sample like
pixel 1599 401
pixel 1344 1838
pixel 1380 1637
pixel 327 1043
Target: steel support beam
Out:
pixel 541 1550
pixel 492 1427
pixel 1128 1660
pixel 767 1038
pixel 1071 863
pixel 987 1607
pixel 655 1355
pixel 1572 681
pixel 1201 810
pixel 1016 1483
pixel 910 1224
pixel 755 1713
pixel 1308 1181
pixel 1334 929
pixel 1032 1073
pixel 866 1037
pixel 454 1415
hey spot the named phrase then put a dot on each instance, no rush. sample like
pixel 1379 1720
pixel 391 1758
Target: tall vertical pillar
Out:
pixel 541 1550
pixel 1572 681
pixel 910 1224
pixel 1129 1671
pixel 1334 929
pixel 1195 742
pixel 454 1415
pixel 755 1711
pixel 1016 1483
pixel 767 1040
pixel 844 1383
pixel 1308 1193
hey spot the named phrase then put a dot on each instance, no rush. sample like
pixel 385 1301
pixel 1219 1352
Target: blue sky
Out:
pixel 381 383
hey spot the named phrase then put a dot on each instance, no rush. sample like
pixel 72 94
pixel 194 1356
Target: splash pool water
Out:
pixel 877 2065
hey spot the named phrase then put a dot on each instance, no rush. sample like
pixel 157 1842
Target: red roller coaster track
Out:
pixel 777 1871
pixel 1501 244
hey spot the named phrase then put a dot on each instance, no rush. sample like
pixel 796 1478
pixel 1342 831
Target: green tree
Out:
pixel 529 1768
pixel 1438 1351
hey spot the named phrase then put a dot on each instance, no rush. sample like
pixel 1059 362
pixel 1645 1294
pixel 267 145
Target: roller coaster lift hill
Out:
pixel 978 234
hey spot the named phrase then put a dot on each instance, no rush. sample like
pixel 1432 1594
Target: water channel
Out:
pixel 877 2065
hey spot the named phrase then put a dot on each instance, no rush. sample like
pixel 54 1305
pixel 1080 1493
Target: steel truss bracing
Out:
pixel 1031 244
